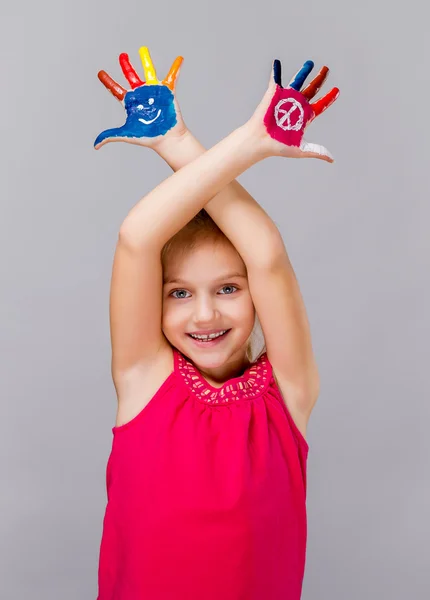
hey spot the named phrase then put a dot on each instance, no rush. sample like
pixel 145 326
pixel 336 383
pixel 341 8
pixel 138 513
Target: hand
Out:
pixel 151 107
pixel 284 113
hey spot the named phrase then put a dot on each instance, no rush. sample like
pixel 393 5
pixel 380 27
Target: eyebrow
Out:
pixel 222 277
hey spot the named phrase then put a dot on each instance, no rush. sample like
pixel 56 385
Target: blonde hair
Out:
pixel 203 228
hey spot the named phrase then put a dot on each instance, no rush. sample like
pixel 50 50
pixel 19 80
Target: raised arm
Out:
pixel 136 287
pixel 257 239
pixel 172 204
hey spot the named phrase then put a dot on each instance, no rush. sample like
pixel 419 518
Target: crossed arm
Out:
pixel 206 179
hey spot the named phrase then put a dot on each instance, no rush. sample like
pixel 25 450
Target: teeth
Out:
pixel 208 337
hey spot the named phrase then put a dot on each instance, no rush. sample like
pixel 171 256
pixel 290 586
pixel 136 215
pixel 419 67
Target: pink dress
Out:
pixel 206 494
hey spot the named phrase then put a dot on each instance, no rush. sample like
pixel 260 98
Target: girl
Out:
pixel 206 480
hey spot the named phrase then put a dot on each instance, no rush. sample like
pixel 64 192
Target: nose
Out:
pixel 205 312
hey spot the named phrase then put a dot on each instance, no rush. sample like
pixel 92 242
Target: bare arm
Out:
pixel 136 289
pixel 173 203
pixel 206 180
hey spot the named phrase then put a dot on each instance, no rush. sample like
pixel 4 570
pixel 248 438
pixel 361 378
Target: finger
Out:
pixel 103 138
pixel 129 72
pixel 315 85
pixel 323 103
pixel 172 75
pixel 300 77
pixel 117 90
pixel 148 67
pixel 311 150
pixel 277 72
pixel 110 135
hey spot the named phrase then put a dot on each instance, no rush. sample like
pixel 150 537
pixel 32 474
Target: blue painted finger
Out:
pixel 110 134
pixel 277 72
pixel 300 77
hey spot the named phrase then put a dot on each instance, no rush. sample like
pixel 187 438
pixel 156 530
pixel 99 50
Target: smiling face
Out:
pixel 197 296
pixel 150 110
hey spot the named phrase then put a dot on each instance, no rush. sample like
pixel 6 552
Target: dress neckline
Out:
pixel 252 383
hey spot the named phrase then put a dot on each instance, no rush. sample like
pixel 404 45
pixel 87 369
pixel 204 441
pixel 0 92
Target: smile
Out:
pixel 152 120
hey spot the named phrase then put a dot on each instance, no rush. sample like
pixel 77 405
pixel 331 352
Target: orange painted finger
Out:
pixel 315 85
pixel 323 103
pixel 170 79
pixel 129 72
pixel 117 90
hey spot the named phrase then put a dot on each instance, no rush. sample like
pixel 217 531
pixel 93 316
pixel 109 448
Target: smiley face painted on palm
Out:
pixel 150 111
pixel 149 106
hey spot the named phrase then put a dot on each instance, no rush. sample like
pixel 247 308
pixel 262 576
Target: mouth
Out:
pixel 151 120
pixel 210 341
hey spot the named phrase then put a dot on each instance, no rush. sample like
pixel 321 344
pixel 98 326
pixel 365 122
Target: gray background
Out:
pixel 356 232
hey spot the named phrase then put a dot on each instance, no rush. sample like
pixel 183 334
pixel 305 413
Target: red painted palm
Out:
pixel 286 112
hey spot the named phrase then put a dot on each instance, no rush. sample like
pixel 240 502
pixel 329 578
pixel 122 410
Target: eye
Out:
pixel 176 291
pixel 183 297
pixel 151 101
pixel 229 286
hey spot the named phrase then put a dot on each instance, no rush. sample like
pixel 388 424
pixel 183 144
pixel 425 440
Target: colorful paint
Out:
pixel 149 104
pixel 290 111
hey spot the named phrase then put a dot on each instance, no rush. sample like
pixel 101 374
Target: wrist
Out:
pixel 259 141
pixel 179 149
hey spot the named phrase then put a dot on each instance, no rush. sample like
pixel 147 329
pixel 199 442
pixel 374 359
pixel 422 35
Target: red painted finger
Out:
pixel 129 72
pixel 114 87
pixel 315 85
pixel 323 103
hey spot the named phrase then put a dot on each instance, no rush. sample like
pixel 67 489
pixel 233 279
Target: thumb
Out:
pixel 311 150
pixel 108 135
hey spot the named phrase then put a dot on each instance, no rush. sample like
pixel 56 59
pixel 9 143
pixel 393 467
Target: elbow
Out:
pixel 272 250
pixel 131 238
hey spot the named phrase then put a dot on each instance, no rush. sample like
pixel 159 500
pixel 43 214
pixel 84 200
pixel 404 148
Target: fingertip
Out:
pixel 277 71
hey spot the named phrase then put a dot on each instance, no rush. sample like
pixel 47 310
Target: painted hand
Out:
pixel 150 105
pixel 286 112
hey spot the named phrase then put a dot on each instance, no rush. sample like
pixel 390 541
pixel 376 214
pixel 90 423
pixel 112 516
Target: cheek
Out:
pixel 244 310
pixel 172 318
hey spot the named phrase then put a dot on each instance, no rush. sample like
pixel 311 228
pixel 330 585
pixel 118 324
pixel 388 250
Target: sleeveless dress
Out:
pixel 206 493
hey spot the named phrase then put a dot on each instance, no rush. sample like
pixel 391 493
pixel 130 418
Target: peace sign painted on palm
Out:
pixel 150 105
pixel 289 111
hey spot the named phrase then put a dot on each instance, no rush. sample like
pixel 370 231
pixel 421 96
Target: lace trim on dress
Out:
pixel 249 385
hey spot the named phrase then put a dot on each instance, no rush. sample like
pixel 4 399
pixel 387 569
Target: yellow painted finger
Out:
pixel 170 79
pixel 148 67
